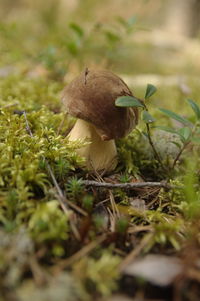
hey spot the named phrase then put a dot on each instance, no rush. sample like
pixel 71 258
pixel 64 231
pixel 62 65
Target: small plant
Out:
pixel 88 202
pixel 188 133
pixel 122 225
pixel 74 188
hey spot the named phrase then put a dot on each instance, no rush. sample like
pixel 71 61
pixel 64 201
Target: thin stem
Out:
pixel 180 153
pixel 184 146
pixel 151 142
pixel 154 149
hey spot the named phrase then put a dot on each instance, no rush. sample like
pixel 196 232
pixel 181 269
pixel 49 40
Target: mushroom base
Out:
pixel 99 154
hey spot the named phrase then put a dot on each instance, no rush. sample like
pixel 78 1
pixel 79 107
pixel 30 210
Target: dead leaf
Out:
pixel 157 269
pixel 138 204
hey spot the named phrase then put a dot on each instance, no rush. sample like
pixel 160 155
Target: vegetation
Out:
pixel 61 239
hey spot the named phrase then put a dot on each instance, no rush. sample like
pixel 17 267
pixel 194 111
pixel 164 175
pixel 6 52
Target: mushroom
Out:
pixel 90 97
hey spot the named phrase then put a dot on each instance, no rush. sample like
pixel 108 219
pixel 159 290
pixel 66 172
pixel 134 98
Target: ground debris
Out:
pixel 158 269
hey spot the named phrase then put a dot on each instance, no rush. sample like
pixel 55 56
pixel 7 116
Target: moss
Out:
pixel 24 179
pixel 100 274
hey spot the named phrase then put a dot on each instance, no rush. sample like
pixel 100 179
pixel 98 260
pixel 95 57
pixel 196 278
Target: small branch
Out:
pixel 126 185
pixel 179 154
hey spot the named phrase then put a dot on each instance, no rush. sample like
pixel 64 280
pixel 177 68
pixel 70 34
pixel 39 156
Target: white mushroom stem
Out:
pixel 99 154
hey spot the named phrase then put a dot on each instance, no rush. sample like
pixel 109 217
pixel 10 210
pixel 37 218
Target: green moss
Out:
pixel 99 275
pixel 24 180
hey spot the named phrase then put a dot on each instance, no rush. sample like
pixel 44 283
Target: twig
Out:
pixel 126 185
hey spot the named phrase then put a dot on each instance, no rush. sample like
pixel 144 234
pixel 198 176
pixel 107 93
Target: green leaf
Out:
pixel 147 118
pixel 166 129
pixel 77 29
pixel 176 143
pixel 185 132
pixel 128 101
pixel 175 116
pixel 151 89
pixel 195 107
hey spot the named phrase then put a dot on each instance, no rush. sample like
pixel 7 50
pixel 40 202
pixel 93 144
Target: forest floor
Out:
pixel 64 234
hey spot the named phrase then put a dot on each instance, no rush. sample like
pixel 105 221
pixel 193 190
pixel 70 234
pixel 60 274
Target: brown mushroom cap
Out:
pixel 91 96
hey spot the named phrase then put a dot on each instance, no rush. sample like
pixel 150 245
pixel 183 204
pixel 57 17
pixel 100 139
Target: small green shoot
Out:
pixel 87 202
pixel 122 225
pixel 74 187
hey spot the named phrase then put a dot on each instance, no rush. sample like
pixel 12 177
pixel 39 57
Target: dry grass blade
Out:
pixel 82 252
pixel 113 205
pixel 135 252
pixel 39 274
pixel 136 229
pixel 62 123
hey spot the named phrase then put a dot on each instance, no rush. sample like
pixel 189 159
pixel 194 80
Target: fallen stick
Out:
pixel 126 185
